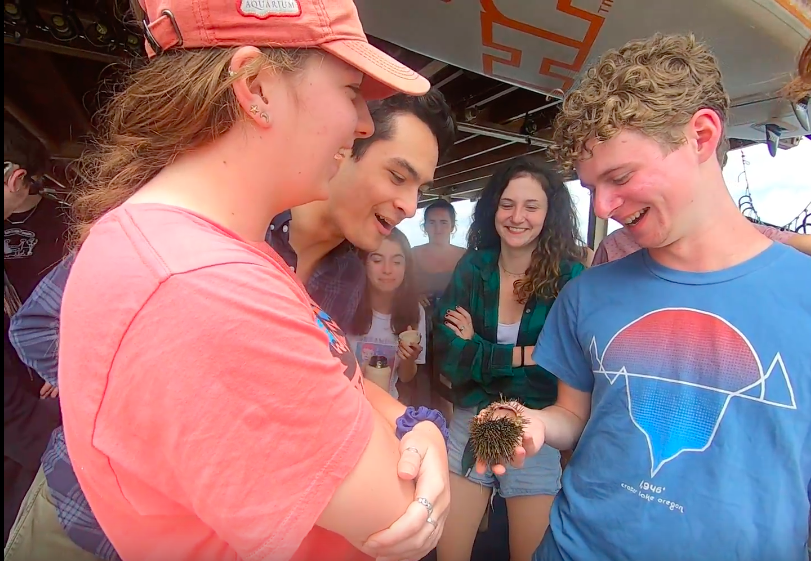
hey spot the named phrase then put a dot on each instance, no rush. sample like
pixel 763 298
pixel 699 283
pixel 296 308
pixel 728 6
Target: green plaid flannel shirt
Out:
pixel 480 370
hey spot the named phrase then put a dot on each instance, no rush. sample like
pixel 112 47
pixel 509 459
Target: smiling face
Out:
pixel 652 191
pixel 313 114
pixel 521 212
pixel 385 268
pixel 370 196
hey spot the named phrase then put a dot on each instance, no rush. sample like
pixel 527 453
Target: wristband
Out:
pixel 522 356
pixel 408 420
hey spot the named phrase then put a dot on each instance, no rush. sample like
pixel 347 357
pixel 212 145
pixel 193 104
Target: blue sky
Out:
pixel 779 187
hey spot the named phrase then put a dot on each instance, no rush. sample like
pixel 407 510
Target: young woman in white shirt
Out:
pixel 389 306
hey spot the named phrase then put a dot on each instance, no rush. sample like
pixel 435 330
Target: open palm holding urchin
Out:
pixel 497 431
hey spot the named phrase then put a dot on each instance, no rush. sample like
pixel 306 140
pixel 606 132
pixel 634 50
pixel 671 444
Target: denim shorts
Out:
pixel 539 476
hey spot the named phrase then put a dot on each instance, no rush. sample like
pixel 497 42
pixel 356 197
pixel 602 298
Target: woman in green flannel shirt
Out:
pixel 523 247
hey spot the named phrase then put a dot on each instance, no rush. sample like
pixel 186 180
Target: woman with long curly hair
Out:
pixel 522 248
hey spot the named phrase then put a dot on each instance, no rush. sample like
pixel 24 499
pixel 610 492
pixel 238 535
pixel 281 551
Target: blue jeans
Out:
pixel 539 476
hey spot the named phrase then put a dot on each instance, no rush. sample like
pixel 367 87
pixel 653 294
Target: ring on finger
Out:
pixel 413 449
pixel 428 506
pixel 432 522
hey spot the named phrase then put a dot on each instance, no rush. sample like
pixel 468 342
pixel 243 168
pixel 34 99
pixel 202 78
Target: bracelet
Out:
pixel 412 417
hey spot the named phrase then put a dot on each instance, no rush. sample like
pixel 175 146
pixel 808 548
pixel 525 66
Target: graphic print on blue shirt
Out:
pixel 700 356
pixel 698 444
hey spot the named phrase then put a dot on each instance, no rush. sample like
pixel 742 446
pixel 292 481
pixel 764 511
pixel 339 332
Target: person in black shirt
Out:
pixel 33 242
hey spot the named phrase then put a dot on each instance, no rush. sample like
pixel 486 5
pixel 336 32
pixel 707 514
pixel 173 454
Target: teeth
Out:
pixel 634 217
pixel 515 230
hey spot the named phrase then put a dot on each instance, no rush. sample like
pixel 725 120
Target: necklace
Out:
pixel 510 273
pixel 22 220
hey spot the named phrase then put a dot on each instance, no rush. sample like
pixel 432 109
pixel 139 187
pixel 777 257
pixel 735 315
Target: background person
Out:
pixel 33 242
pixel 389 306
pixel 377 185
pixel 523 248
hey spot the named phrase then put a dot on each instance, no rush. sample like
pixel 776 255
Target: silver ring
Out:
pixel 413 449
pixel 462 328
pixel 432 522
pixel 427 504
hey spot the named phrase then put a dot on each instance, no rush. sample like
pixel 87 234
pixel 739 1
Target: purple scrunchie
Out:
pixel 411 417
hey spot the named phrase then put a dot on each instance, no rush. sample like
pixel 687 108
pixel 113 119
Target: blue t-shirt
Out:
pixel 699 441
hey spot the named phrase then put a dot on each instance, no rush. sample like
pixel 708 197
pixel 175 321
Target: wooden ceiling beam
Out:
pixel 474 146
pixel 30 125
pixel 506 152
pixel 60 90
pixel 432 68
pixel 517 104
pixel 441 185
pixel 62 49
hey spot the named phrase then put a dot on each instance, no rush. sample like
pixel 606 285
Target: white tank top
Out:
pixel 507 333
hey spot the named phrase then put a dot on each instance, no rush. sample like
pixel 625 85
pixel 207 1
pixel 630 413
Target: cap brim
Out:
pixel 385 76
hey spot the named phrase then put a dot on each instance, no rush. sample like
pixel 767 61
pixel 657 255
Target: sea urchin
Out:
pixel 497 431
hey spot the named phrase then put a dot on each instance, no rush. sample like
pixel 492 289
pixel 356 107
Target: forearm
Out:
pixel 527 358
pixel 801 242
pixel 388 407
pixel 406 370
pixel 562 427
pixel 373 496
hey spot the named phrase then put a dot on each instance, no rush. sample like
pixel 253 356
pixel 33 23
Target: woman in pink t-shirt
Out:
pixel 211 410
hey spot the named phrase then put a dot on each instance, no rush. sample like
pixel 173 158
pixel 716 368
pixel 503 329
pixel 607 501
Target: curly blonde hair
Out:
pixel 653 86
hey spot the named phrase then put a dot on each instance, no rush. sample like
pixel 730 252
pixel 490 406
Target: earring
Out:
pixel 265 117
pixel 254 109
pixel 231 73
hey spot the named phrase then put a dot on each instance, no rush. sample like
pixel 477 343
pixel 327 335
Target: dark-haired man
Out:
pixel 377 186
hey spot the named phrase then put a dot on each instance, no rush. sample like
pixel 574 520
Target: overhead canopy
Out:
pixel 502 64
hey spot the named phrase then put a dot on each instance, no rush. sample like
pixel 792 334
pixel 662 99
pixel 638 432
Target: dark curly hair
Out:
pixel 559 240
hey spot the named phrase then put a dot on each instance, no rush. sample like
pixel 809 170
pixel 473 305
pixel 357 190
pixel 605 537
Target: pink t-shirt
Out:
pixel 211 409
pixel 620 243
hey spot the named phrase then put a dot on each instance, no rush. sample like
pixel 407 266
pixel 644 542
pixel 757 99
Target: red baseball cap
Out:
pixel 331 25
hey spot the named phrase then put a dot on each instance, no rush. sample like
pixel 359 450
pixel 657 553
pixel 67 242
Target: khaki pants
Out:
pixel 37 534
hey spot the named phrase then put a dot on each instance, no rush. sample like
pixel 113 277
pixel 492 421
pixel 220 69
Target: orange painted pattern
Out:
pixel 799 9
pixel 491 17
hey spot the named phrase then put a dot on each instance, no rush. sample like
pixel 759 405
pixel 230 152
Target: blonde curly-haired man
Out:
pixel 684 371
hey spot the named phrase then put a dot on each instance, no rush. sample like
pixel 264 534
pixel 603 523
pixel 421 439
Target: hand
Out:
pixel 532 441
pixel 47 390
pixel 460 322
pixel 408 351
pixel 412 537
pixel 424 301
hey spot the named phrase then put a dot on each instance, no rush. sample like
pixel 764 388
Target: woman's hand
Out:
pixel 460 322
pixel 424 301
pixel 408 351
pixel 424 458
